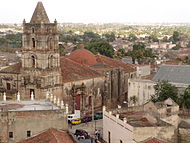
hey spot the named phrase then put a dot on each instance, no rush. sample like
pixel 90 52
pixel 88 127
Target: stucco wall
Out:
pixel 142 89
pixel 119 131
pixel 19 122
pixel 163 132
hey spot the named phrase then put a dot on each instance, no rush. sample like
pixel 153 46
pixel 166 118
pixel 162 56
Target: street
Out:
pixel 90 128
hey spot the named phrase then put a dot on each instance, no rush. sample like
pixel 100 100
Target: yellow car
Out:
pixel 75 121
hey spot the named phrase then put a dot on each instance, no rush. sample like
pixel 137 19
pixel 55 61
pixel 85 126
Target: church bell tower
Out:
pixel 40 70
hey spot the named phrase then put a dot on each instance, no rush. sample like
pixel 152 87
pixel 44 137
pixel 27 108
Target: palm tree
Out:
pixel 133 100
pixel 184 99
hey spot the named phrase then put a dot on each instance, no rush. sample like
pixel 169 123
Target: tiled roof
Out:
pixel 83 56
pixel 12 69
pixel 72 71
pixel 50 136
pixel 173 73
pixel 114 63
pixel 153 140
pixel 39 14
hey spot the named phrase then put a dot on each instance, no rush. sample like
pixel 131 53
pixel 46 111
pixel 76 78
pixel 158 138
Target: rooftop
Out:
pixel 50 136
pixel 27 105
pixel 72 71
pixel 39 14
pixel 173 73
pixel 154 140
pixel 12 69
pixel 114 63
pixel 83 56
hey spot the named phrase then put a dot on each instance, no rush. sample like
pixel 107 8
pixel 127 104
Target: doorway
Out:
pixel 32 90
pixel 77 102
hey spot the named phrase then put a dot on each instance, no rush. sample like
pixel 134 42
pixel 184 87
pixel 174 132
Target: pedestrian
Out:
pixel 98 134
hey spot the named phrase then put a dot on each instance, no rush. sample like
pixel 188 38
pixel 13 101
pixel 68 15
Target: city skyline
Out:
pixel 112 11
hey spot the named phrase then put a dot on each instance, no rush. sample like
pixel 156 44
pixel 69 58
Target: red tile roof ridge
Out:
pixel 70 68
pixel 114 62
pixel 51 134
pixel 154 140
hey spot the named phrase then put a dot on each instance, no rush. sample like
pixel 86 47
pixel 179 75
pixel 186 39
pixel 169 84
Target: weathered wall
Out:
pixel 119 131
pixel 19 122
pixel 93 87
pixel 163 132
pixel 142 89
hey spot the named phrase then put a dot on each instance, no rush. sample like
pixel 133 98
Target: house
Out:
pixel 135 125
pixel 50 136
pixel 23 119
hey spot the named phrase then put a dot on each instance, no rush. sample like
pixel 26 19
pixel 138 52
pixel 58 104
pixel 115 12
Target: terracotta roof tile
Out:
pixel 83 56
pixel 50 136
pixel 72 71
pixel 154 140
pixel 114 63
pixel 13 68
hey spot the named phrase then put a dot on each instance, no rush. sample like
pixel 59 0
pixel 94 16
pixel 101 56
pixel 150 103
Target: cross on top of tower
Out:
pixel 39 14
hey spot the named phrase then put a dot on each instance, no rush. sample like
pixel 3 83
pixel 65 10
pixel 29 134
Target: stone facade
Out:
pixel 40 56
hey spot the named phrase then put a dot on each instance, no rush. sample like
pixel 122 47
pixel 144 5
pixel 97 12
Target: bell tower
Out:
pixel 41 70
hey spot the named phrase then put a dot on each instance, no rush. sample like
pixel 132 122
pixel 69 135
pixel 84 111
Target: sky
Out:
pixel 99 11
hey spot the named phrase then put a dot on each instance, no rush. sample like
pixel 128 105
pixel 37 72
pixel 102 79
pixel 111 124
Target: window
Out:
pixel 90 100
pixel 33 43
pixel 28 133
pixel 109 139
pixel 50 43
pixel 10 134
pixel 8 86
pixel 32 30
pixel 33 61
pixel 51 61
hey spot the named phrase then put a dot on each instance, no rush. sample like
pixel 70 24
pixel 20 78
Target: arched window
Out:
pixel 33 61
pixel 33 30
pixel 51 61
pixel 33 43
pixel 90 100
pixel 50 43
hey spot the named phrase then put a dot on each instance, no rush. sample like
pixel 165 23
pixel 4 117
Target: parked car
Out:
pixel 98 115
pixel 81 134
pixel 86 119
pixel 75 121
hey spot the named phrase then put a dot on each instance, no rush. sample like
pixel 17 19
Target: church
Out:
pixel 80 83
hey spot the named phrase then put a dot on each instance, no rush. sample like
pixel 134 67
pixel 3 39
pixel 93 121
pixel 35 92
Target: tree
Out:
pixel 133 100
pixel 139 53
pixel 91 36
pixel 177 47
pixel 153 38
pixel 176 36
pixel 163 91
pixel 184 99
pixel 139 46
pixel 61 50
pixel 132 37
pixel 109 37
pixel 102 47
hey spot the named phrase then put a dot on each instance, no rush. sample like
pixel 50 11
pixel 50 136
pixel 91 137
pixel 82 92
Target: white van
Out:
pixel 73 116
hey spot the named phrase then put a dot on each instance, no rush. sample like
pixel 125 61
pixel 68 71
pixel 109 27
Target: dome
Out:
pixel 83 56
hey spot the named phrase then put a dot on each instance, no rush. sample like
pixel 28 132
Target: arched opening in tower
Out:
pixel 33 43
pixel 33 61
